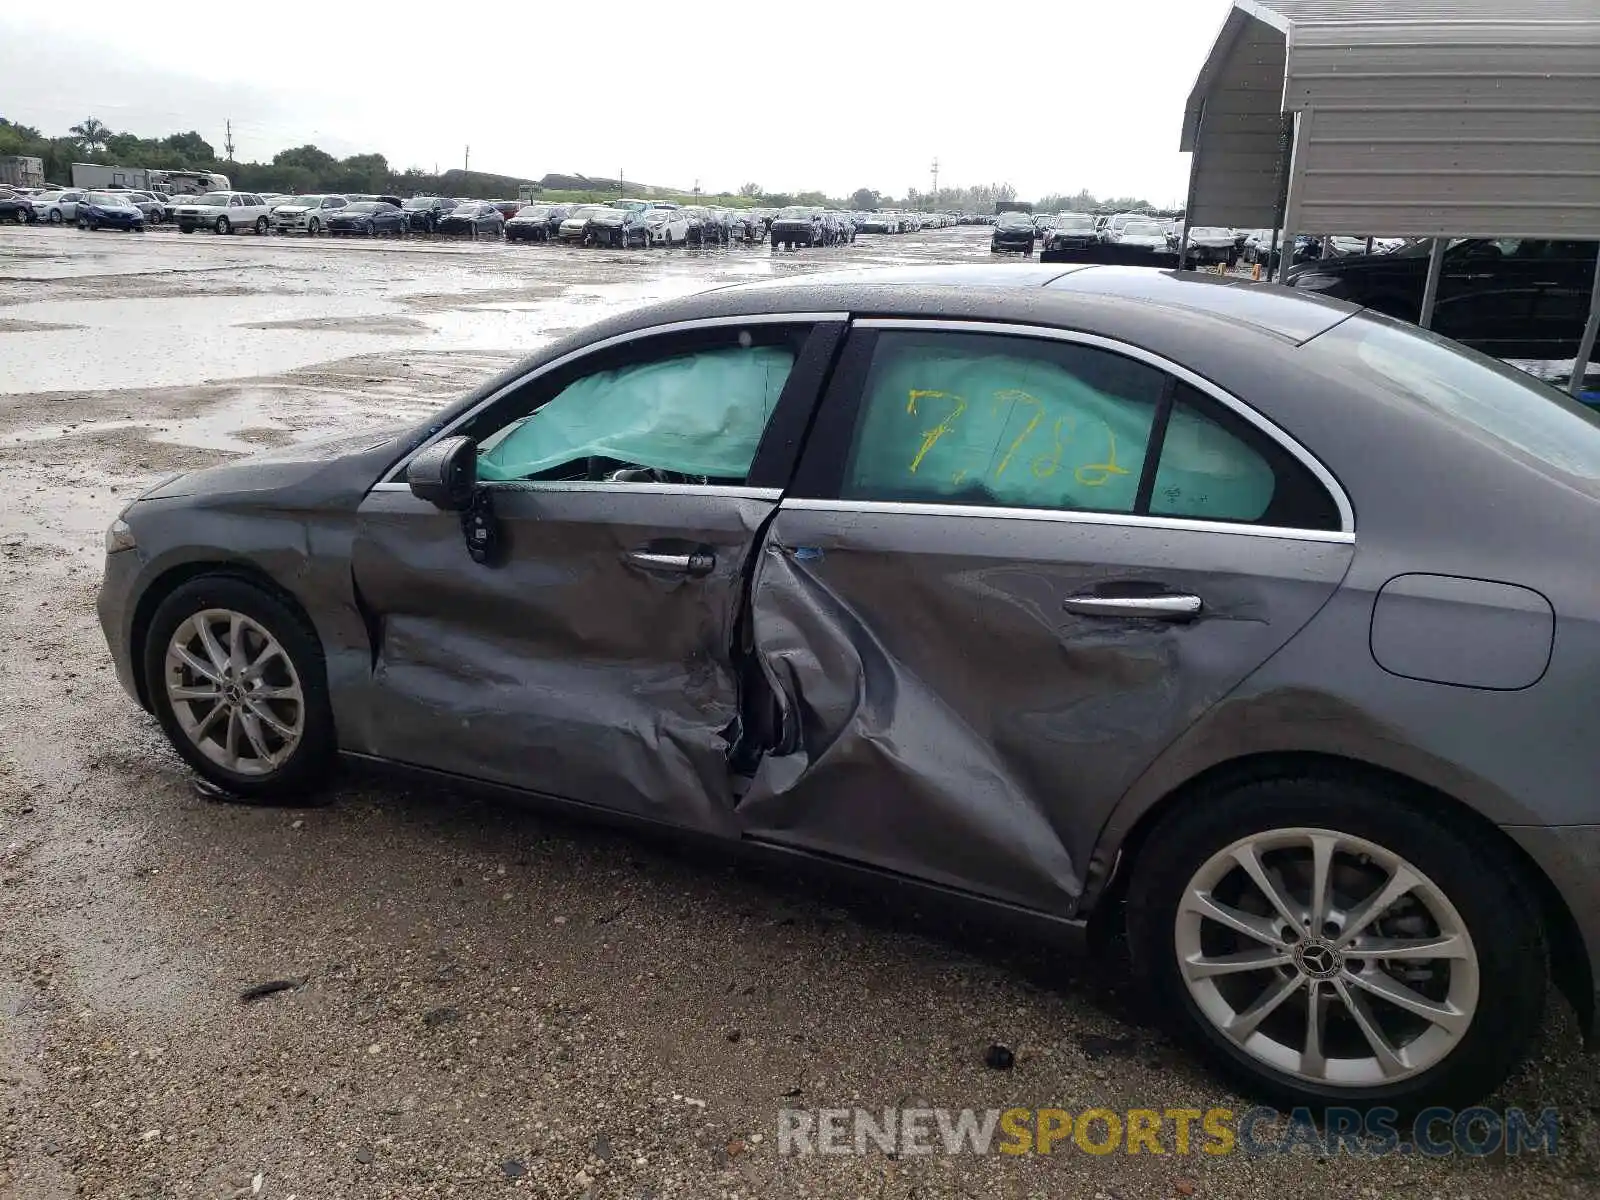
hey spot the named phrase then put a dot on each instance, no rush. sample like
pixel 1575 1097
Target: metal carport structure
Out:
pixel 1411 118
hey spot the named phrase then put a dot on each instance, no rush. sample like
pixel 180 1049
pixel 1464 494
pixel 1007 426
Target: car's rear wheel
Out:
pixel 55 216
pixel 1327 943
pixel 237 681
pixel 261 226
pixel 223 225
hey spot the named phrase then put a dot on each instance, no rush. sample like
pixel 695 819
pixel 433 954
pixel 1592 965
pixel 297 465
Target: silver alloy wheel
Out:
pixel 1327 957
pixel 234 691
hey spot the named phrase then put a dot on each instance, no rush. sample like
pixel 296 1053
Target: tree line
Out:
pixel 307 169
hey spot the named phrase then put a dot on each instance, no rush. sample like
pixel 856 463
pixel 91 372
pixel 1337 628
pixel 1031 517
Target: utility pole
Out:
pixel 227 142
pixel 621 190
pixel 466 162
pixel 697 188
pixel 935 200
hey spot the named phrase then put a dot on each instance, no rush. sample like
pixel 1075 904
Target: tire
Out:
pixel 298 665
pixel 774 243
pixel 224 226
pixel 313 227
pixel 185 228
pixel 1468 886
pixel 83 226
pixel 262 225
pixel 55 217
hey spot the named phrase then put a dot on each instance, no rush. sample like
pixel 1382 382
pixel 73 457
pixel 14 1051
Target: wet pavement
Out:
pixel 470 999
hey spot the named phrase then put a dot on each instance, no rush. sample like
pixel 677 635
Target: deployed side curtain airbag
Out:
pixel 1019 431
pixel 697 414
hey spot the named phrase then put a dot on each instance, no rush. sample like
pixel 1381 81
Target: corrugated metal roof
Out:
pixel 1453 12
pixel 1417 117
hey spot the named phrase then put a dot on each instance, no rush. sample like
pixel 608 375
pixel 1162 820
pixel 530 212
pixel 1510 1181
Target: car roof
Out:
pixel 1010 291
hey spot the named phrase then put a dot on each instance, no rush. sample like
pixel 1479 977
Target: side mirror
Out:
pixel 445 474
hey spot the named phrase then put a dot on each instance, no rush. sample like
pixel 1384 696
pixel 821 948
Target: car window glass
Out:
pixel 688 418
pixel 1016 422
pixel 1207 473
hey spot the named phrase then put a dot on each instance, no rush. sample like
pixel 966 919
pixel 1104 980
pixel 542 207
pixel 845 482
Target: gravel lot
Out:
pixel 485 1001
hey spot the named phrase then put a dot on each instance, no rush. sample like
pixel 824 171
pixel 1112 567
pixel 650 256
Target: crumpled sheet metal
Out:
pixel 886 770
pixel 576 673
pixel 956 724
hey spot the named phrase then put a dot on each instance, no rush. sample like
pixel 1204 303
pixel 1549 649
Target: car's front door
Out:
pixel 594 657
pixel 1012 568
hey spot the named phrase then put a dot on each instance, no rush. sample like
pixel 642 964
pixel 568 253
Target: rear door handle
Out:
pixel 1170 606
pixel 699 563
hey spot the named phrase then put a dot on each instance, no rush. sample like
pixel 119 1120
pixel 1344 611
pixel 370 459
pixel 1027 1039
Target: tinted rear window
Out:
pixel 1499 402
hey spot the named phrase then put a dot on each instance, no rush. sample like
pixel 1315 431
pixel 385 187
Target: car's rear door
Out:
pixel 1015 564
pixel 594 658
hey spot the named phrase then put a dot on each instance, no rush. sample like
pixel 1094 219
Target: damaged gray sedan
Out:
pixel 1069 593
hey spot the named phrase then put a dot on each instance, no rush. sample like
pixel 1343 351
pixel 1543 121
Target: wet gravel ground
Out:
pixel 476 1000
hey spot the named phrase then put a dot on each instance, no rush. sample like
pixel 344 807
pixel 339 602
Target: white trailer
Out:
pixel 188 183
pixel 90 176
pixel 19 170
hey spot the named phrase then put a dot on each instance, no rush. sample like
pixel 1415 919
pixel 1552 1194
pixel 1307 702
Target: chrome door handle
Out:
pixel 1168 607
pixel 682 564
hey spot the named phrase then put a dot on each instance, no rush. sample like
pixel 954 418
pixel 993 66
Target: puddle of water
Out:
pixel 216 428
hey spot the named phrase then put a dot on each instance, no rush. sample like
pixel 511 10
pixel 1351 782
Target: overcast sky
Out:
pixel 1050 97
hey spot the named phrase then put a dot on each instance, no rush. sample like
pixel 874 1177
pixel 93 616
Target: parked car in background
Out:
pixel 306 214
pixel 1509 297
pixel 706 225
pixel 1144 233
pixel 1071 231
pixel 1111 229
pixel 1013 231
pixel 424 212
pixel 575 228
pixel 667 225
pixel 57 207
pixel 506 208
pixel 151 204
pixel 15 207
pixel 879 222
pixel 536 222
pixel 747 226
pixel 1258 244
pixel 109 210
pixel 474 218
pixel 1208 244
pixel 369 218
pixel 224 212
pixel 620 223
pixel 798 226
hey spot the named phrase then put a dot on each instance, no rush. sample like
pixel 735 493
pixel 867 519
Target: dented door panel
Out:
pixel 586 665
pixel 953 721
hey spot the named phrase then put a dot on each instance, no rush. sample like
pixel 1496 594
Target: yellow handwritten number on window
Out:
pixel 1099 474
pixel 1015 399
pixel 931 437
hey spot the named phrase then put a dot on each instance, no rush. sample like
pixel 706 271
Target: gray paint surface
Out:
pixel 951 722
pixel 1464 632
pixel 1417 119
